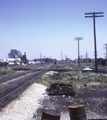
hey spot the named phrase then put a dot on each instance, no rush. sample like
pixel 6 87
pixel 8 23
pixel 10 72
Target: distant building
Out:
pixel 33 62
pixel 75 60
pixel 93 60
pixel 101 61
pixel 1 62
pixel 68 60
pixel 13 61
pixel 24 59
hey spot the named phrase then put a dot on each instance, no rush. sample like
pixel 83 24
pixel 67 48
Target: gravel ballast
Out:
pixel 29 105
pixel 23 107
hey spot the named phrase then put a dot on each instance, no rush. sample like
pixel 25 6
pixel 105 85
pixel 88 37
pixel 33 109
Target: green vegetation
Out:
pixel 74 77
pixel 9 71
pixel 88 63
pixel 68 66
pixel 4 72
pixel 39 65
pixel 78 80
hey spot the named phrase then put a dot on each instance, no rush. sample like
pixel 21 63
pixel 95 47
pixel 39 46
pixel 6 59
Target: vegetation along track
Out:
pixel 15 75
pixel 12 90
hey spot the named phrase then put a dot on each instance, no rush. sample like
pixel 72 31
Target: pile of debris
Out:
pixel 87 70
pixel 58 75
pixel 60 89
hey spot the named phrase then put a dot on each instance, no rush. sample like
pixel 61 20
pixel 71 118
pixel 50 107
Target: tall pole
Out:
pixel 78 38
pixel 65 57
pixel 40 57
pixel 78 54
pixel 94 15
pixel 61 56
pixel 86 56
pixel 95 43
pixel 106 49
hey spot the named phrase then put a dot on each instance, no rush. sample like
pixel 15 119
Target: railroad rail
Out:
pixel 15 75
pixel 12 90
pixel 100 69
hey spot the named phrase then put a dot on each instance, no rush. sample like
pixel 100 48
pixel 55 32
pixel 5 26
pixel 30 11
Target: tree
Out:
pixel 48 60
pixel 14 54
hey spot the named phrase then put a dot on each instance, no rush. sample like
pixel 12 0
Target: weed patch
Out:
pixel 77 79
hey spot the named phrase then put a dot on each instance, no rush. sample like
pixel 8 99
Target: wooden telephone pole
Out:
pixel 78 38
pixel 61 56
pixel 86 57
pixel 106 49
pixel 94 15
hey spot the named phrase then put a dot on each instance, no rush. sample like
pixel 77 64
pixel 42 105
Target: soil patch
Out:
pixel 95 104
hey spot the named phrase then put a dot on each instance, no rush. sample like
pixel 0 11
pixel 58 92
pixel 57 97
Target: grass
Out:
pixel 88 64
pixel 45 81
pixel 76 78
pixel 29 66
pixel 4 72
pixel 68 66
pixel 9 71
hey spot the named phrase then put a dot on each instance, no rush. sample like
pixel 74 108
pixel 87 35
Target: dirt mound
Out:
pixel 60 89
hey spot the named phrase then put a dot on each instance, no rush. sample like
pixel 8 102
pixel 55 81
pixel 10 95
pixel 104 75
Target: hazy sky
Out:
pixel 50 26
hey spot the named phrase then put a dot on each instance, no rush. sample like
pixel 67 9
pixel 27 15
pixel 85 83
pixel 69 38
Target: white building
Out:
pixel 13 61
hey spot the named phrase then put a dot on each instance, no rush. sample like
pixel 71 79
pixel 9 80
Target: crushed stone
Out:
pixel 32 101
pixel 23 107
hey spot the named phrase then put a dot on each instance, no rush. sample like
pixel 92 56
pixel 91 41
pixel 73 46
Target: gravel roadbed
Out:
pixel 29 105
pixel 23 107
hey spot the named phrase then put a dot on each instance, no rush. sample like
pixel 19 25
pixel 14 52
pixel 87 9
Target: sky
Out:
pixel 49 27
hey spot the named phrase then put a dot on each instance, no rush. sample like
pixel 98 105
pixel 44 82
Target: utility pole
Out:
pixel 106 49
pixel 78 38
pixel 65 57
pixel 86 57
pixel 94 15
pixel 40 56
pixel 61 56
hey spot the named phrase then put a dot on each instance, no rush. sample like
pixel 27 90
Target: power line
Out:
pixel 101 4
pixel 94 15
pixel 84 30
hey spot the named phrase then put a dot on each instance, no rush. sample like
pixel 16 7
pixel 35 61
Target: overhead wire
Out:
pixel 85 29
pixel 100 5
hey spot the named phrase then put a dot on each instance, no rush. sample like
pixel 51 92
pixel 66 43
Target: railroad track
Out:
pixel 15 75
pixel 12 90
pixel 99 69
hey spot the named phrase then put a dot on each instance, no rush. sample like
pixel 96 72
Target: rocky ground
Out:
pixel 29 105
pixel 94 98
pixel 95 104
pixel 23 107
